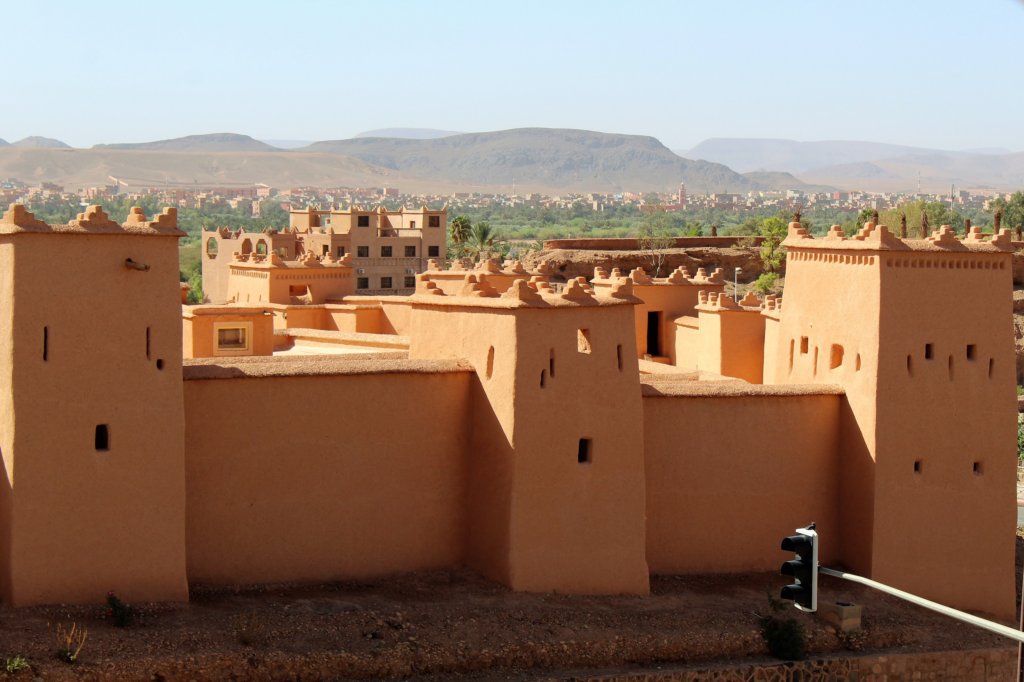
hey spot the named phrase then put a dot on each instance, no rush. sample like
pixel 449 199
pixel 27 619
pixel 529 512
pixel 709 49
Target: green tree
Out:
pixel 482 238
pixel 772 252
pixel 1013 210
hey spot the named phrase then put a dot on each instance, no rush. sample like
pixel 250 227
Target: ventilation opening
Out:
pixel 972 351
pixel 991 367
pixel 978 469
pixel 856 365
pixel 147 342
pixel 102 438
pixel 543 377
pixel 835 356
pixel 46 344
pixel 804 345
pixel 928 351
pixel 551 363
pixel 950 367
pixel 618 356
pixel 583 454
pixel 160 363
pixel 910 365
pixel 917 466
pixel 815 361
pixel 582 342
pixel 792 345
pixel 490 362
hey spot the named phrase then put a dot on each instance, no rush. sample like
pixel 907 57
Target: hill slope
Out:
pixel 543 158
pixel 751 154
pixel 214 142
pixel 36 142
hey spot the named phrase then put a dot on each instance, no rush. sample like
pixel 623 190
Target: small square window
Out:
pixel 362 282
pixel 232 338
pixel 410 282
pixel 385 282
pixel 363 251
pixel 385 252
pixel 433 251
pixel 434 221
pixel 410 252
pixel 363 221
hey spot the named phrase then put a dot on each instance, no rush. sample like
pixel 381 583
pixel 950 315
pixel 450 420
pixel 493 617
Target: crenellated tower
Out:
pixel 555 492
pixel 918 333
pixel 93 497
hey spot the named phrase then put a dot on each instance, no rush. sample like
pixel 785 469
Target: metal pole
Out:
pixel 1016 635
pixel 736 284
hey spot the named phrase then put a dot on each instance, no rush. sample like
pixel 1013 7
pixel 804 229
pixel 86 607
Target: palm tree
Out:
pixel 481 239
pixel 459 231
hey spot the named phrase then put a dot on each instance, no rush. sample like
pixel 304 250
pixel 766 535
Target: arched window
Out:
pixel 211 247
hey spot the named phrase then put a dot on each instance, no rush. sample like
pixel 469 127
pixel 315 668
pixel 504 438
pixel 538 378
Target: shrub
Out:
pixel 17 664
pixel 70 642
pixel 766 283
pixel 122 614
pixel 785 636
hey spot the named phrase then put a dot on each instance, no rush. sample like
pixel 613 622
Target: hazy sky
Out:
pixel 920 72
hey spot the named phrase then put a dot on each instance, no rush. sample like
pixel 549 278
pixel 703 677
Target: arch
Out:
pixel 212 247
pixel 261 247
pixel 246 247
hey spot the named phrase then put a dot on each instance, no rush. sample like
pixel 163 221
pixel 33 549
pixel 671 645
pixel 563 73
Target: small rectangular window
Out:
pixel 46 344
pixel 584 452
pixel 804 345
pixel 583 340
pixel 410 252
pixel 363 251
pixel 232 338
pixel 928 349
pixel 433 251
pixel 385 282
pixel 836 356
pixel 363 221
pixel 341 251
pixel 385 252
pixel 362 283
pixel 434 221
pixel 327 249
pixel 410 282
pixel 102 438
pixel 972 351
pixel 412 224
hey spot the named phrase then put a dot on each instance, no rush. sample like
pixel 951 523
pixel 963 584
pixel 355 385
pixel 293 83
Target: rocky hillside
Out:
pixel 544 158
pixel 36 142
pixel 215 142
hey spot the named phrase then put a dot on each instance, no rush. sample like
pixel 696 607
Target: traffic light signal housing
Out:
pixel 804 568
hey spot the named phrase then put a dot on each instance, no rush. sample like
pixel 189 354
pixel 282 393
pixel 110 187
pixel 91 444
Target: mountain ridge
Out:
pixel 208 142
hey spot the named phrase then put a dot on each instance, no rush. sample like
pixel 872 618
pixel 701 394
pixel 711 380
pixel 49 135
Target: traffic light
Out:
pixel 804 568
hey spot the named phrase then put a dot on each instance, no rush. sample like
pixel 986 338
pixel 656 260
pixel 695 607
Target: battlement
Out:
pixel 534 292
pixel 713 302
pixel 93 220
pixel 678 277
pixel 874 237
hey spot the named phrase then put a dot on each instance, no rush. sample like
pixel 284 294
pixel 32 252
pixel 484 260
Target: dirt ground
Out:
pixel 452 624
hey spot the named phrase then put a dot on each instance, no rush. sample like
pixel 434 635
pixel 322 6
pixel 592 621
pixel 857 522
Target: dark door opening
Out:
pixel 654 333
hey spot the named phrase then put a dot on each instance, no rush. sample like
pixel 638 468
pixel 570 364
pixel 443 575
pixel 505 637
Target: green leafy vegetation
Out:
pixel 784 635
pixel 16 664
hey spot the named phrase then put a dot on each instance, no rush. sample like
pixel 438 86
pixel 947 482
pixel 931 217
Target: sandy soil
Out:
pixel 446 624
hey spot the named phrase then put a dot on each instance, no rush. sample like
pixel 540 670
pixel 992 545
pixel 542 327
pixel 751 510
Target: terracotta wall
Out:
pixel 199 335
pixel 728 477
pixel 365 476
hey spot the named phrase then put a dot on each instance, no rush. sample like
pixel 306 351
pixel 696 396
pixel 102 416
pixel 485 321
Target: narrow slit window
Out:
pixel 46 344
pixel 102 438
pixel 991 367
pixel 815 369
pixel 792 345
pixel 857 363
pixel 543 377
pixel 618 356
pixel 910 365
pixel 551 363
pixel 148 336
pixel 917 466
pixel 583 453
pixel 490 361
